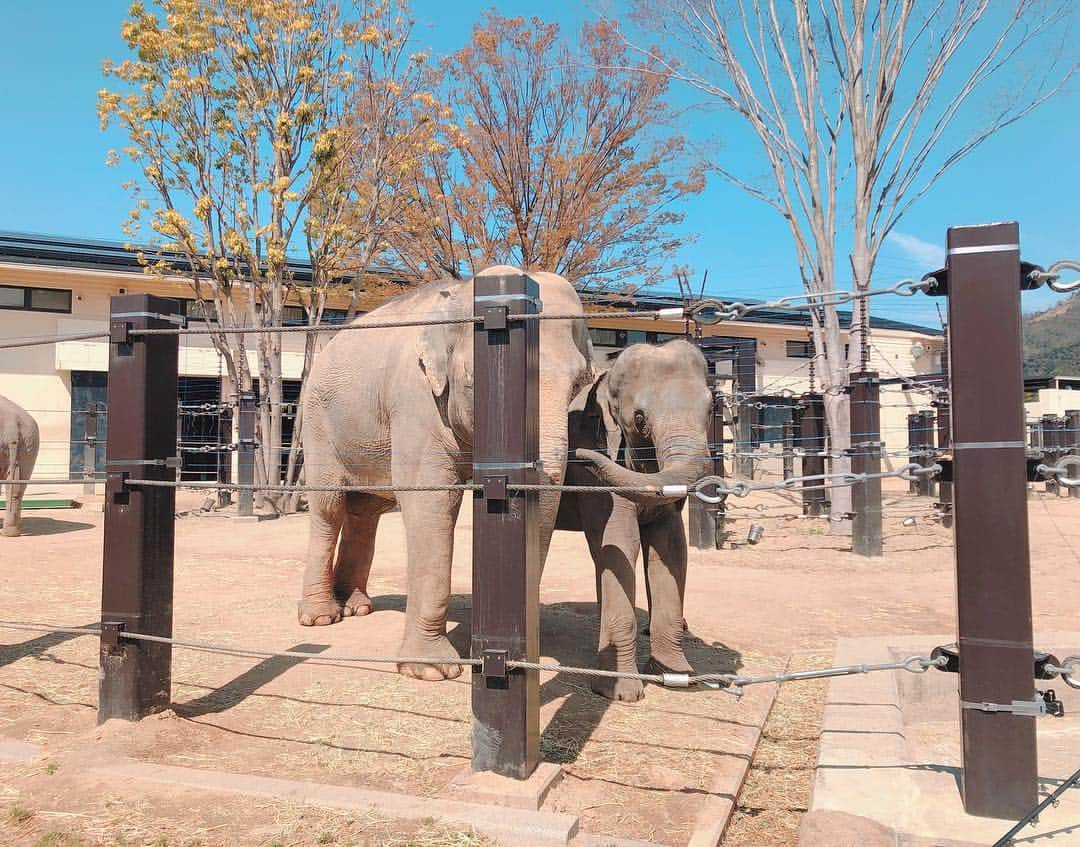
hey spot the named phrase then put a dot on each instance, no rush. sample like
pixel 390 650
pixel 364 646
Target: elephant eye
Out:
pixel 639 421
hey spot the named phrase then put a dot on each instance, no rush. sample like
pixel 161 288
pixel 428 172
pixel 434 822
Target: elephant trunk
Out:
pixel 682 458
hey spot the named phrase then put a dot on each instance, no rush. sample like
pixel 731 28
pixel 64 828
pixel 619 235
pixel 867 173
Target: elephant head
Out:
pixel 445 353
pixel 655 404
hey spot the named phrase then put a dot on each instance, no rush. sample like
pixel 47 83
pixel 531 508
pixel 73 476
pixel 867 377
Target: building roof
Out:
pixel 1033 383
pixel 115 256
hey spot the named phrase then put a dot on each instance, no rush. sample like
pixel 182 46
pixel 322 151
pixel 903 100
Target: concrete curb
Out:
pixel 726 784
pixel 509 826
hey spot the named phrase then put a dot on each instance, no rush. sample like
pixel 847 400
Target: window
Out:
pixel 805 349
pixel 293 315
pixel 800 349
pixel 198 310
pixel 35 299
pixel 608 337
pixel 296 316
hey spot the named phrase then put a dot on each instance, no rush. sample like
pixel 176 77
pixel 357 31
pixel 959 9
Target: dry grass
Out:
pixel 242 824
pixel 777 788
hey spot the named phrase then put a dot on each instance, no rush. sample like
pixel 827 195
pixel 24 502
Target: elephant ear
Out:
pixel 612 430
pixel 437 344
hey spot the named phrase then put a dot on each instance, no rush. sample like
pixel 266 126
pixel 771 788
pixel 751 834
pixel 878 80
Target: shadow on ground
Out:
pixel 568 633
pixel 37 646
pixel 51 526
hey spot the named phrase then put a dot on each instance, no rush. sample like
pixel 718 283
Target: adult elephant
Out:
pixel 649 413
pixel 394 407
pixel 19 442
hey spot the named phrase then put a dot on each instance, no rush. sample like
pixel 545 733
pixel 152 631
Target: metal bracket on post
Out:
pixel 494 665
pixel 1046 703
pixel 495 487
pixel 110 636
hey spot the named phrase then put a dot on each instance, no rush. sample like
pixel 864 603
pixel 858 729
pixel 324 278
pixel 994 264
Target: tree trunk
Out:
pixel 837 421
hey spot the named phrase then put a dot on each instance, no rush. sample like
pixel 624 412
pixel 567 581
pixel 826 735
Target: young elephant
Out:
pixel 19 441
pixel 650 413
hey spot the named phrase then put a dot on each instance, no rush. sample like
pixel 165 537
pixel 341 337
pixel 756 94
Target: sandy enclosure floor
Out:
pixel 633 770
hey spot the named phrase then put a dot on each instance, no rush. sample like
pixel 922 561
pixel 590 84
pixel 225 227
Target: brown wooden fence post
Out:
pixel 865 407
pixel 137 567
pixel 993 570
pixel 246 409
pixel 90 442
pixel 506 546
pixel 812 439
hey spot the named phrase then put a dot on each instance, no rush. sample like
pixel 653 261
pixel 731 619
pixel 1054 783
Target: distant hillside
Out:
pixel 1052 340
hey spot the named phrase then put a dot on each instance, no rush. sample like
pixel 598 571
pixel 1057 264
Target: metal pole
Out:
pixel 224 465
pixel 925 486
pixel 993 570
pixel 506 541
pixel 944 442
pixel 1072 440
pixel 789 445
pixel 137 567
pixel 913 445
pixel 812 438
pixel 707 520
pixel 90 435
pixel 866 458
pixel 247 404
pixel 745 367
pixel 1049 426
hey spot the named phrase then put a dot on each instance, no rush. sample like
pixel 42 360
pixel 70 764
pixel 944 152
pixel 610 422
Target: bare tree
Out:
pixel 876 98
pixel 550 159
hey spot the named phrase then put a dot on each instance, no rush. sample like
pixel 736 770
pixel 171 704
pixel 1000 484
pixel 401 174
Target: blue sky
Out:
pixel 54 178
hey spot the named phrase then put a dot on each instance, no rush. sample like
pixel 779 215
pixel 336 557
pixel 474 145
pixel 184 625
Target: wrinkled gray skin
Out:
pixel 19 441
pixel 394 407
pixel 650 413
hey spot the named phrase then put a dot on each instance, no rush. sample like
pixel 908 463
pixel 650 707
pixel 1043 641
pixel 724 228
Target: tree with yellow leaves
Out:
pixel 263 128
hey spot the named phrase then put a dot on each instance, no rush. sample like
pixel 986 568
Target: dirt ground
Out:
pixel 637 770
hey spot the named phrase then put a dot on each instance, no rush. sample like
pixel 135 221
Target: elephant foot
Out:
pixel 673 663
pixel 10 532
pixel 435 648
pixel 357 604
pixel 626 690
pixel 319 612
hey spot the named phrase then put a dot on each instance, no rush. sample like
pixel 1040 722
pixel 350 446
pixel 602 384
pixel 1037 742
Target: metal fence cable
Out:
pixel 729 682
pixel 39 340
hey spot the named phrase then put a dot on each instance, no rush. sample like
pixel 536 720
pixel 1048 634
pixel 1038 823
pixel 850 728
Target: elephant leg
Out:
pixel 355 552
pixel 15 492
pixel 429 518
pixel 318 605
pixel 610 525
pixel 664 552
